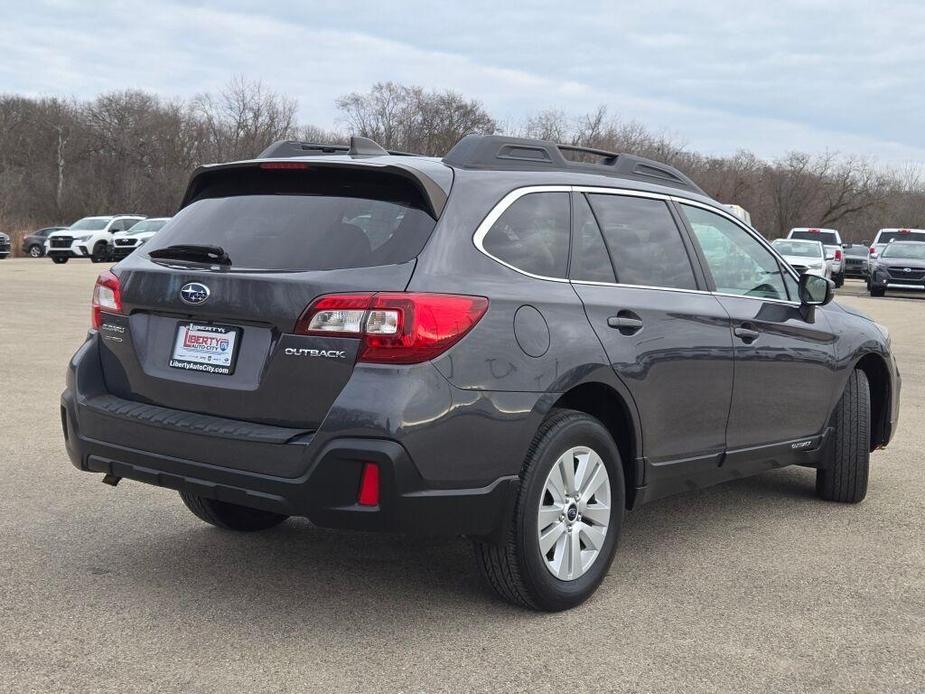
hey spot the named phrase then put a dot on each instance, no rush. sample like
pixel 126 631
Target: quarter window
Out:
pixel 644 242
pixel 739 263
pixel 532 234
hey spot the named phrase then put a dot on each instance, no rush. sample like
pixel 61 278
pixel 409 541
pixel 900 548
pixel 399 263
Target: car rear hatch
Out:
pixel 217 337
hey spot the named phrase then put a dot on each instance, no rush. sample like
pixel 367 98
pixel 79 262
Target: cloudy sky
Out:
pixel 793 74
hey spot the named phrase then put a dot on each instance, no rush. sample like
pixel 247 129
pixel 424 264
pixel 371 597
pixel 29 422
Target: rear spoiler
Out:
pixel 434 194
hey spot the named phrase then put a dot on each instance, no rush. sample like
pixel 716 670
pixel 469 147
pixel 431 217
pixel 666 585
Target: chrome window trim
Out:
pixel 511 197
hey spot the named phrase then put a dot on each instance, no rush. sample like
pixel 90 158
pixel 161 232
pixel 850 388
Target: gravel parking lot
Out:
pixel 755 585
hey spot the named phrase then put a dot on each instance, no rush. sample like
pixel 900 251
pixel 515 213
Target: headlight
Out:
pixel 81 238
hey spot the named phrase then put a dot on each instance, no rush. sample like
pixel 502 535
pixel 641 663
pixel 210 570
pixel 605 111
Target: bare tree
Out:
pixel 412 119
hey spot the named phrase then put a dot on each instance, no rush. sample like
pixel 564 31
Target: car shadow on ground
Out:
pixel 328 575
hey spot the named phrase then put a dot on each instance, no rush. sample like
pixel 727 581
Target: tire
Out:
pixel 100 253
pixel 230 516
pixel 514 565
pixel 877 291
pixel 36 251
pixel 843 473
pixel 59 259
pixel 839 281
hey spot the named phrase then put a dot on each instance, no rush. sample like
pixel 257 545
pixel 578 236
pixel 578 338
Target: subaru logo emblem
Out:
pixel 194 293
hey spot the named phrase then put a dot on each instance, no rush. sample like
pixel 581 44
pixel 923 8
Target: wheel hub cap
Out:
pixel 574 513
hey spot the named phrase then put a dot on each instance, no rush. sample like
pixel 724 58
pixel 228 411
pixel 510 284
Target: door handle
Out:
pixel 626 322
pixel 747 335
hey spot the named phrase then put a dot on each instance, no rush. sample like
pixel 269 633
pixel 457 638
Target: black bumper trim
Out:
pixel 191 422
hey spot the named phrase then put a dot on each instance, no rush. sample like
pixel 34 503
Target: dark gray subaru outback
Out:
pixel 516 343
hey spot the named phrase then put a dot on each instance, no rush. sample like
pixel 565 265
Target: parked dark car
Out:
pixel 34 244
pixel 900 265
pixel 5 247
pixel 503 344
pixel 855 255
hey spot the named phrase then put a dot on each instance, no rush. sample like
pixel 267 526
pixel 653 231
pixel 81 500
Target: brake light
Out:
pixel 873 251
pixel 837 254
pixel 368 495
pixel 903 231
pixel 283 165
pixel 107 298
pixel 813 231
pixel 395 327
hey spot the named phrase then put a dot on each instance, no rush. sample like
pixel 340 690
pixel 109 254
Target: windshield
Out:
pixel 827 237
pixel 900 235
pixel 800 249
pixel 905 250
pixel 147 225
pixel 90 224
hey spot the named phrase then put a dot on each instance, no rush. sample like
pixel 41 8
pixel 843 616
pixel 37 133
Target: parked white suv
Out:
pixel 90 237
pixel 831 239
pixel 124 242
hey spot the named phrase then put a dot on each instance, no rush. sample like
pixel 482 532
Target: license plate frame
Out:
pixel 205 354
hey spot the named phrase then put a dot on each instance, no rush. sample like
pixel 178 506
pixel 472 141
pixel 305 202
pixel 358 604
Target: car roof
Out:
pixel 814 229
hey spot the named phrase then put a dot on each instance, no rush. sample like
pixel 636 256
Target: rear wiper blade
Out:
pixel 194 253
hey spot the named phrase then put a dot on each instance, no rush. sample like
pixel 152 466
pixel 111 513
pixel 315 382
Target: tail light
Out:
pixel 107 298
pixel 837 255
pixel 395 328
pixel 873 251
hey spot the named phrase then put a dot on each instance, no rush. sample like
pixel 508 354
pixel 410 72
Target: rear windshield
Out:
pixel 294 221
pixel 887 236
pixel 856 251
pixel 826 237
pixel 801 249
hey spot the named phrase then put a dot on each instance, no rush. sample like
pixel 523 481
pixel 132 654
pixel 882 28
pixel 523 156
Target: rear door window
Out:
pixel 532 235
pixel 644 242
pixel 299 220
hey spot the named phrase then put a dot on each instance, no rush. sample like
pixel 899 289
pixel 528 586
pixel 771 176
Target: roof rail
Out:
pixel 359 147
pixel 519 154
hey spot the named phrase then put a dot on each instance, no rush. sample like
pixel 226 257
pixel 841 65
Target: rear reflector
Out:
pixel 107 298
pixel 369 485
pixel 395 327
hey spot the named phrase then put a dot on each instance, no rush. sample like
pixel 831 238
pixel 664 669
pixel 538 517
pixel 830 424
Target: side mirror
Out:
pixel 816 290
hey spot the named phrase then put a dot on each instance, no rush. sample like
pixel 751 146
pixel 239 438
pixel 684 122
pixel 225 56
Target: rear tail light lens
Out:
pixel 395 328
pixel 368 495
pixel 107 298
pixel 837 255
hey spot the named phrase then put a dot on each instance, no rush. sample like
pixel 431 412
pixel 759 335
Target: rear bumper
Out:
pixel 301 473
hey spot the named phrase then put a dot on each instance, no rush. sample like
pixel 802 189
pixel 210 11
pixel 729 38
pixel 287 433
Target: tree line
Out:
pixel 132 151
